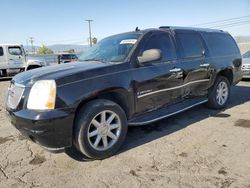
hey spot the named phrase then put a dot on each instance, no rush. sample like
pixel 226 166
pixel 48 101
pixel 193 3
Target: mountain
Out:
pixel 57 48
pixel 66 47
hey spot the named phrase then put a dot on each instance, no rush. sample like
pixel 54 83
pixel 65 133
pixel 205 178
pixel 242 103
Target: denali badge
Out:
pixel 144 92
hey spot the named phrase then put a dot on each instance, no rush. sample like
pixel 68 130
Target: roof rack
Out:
pixel 164 27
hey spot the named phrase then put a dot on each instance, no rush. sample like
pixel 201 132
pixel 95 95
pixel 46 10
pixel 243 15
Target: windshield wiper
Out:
pixel 97 59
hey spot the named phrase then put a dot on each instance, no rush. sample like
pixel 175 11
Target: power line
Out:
pixel 231 24
pixel 234 25
pixel 222 21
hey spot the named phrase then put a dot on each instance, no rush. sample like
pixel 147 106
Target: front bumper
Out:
pixel 51 129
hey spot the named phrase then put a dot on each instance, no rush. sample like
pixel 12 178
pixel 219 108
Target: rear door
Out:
pixel 155 84
pixel 193 62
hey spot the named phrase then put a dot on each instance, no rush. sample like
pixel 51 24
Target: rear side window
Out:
pixel 190 43
pixel 164 43
pixel 220 44
pixel 1 51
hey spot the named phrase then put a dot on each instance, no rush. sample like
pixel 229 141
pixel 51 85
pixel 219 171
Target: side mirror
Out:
pixel 150 55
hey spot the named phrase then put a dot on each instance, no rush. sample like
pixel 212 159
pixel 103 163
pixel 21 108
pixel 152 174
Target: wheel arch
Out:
pixel 117 95
pixel 29 67
pixel 228 73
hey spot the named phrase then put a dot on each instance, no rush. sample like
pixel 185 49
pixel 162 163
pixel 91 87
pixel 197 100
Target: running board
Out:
pixel 150 117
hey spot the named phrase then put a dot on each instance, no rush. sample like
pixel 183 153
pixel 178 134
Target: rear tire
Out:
pixel 100 129
pixel 219 93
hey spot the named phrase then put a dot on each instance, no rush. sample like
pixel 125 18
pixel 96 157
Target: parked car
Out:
pixel 246 64
pixel 133 78
pixel 67 58
pixel 12 59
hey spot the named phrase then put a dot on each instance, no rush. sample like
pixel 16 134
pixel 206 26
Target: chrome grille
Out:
pixel 15 92
pixel 245 67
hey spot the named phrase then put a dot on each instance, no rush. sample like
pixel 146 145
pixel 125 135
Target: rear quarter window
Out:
pixel 1 51
pixel 220 44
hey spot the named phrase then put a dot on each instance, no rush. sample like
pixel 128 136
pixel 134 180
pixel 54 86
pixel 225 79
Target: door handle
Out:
pixel 175 70
pixel 205 65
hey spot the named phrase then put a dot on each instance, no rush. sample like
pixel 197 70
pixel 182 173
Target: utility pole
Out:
pixel 31 42
pixel 27 46
pixel 90 38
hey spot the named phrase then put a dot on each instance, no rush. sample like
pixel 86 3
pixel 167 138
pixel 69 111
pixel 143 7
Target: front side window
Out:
pixel 114 49
pixel 1 51
pixel 191 44
pixel 15 50
pixel 164 43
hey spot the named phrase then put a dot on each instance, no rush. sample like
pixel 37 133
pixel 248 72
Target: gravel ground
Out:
pixel 198 148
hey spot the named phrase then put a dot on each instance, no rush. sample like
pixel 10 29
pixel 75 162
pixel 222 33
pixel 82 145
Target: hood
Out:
pixel 56 72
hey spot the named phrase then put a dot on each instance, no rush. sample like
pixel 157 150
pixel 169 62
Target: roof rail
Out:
pixel 164 27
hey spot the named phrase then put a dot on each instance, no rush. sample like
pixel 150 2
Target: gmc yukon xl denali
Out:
pixel 133 78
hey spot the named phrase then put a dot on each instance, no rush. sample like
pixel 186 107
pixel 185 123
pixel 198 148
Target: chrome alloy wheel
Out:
pixel 104 130
pixel 222 93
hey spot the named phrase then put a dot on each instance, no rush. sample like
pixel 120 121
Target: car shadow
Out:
pixel 5 79
pixel 141 135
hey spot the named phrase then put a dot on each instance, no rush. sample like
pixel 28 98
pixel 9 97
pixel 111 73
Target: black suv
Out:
pixel 133 78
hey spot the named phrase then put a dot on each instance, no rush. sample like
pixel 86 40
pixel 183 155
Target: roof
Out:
pixel 5 44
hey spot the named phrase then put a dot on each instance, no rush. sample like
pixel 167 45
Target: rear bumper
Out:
pixel 52 129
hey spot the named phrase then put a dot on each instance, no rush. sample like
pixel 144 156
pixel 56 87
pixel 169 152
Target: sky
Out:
pixel 63 21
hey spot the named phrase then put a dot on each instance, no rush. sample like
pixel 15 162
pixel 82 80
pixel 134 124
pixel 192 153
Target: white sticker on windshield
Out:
pixel 128 41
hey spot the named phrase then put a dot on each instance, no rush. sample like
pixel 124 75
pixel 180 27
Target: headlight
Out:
pixel 42 95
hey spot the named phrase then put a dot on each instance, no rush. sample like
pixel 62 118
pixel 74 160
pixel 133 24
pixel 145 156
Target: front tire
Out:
pixel 100 129
pixel 219 93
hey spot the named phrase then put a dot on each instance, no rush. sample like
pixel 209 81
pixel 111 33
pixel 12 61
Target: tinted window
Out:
pixel 162 42
pixel 15 50
pixel 220 44
pixel 68 57
pixel 191 44
pixel 1 51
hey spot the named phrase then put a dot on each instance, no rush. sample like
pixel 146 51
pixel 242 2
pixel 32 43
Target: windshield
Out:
pixel 111 49
pixel 246 55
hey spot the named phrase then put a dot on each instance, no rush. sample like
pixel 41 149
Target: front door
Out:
pixel 157 83
pixel 16 57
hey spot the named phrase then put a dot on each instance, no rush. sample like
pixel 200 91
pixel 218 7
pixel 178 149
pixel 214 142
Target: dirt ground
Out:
pixel 198 148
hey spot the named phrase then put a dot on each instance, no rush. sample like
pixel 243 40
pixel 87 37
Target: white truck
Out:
pixel 13 60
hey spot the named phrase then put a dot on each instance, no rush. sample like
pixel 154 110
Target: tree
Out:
pixel 44 50
pixel 71 51
pixel 94 40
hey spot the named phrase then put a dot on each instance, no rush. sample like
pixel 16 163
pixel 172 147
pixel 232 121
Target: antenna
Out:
pixel 137 29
